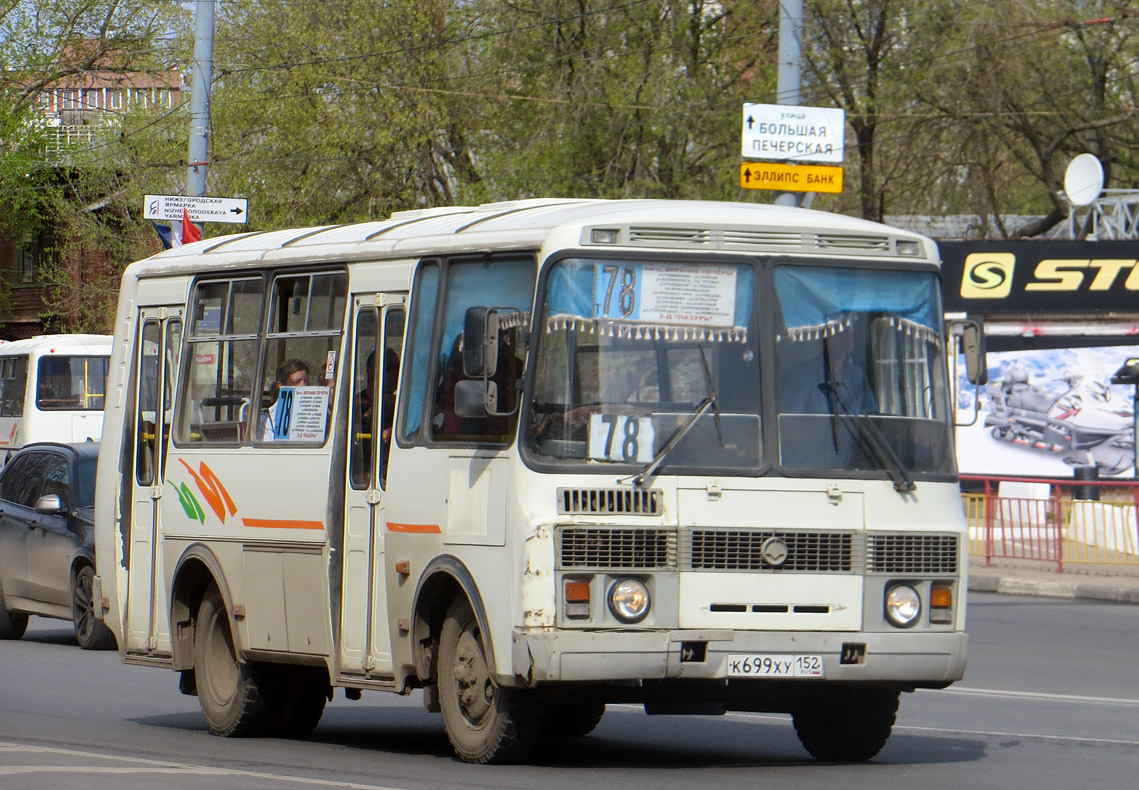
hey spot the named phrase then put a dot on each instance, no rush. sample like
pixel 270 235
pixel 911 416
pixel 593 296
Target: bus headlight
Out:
pixel 903 605
pixel 629 600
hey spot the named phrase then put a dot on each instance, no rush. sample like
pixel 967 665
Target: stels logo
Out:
pixel 988 275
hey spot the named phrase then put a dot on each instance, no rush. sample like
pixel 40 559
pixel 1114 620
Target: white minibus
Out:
pixel 52 389
pixel 534 458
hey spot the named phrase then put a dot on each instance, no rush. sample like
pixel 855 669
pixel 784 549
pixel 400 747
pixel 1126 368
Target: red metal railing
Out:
pixel 1060 522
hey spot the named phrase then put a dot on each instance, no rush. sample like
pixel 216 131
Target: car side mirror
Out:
pixel 50 504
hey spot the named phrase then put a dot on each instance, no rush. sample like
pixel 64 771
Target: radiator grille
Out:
pixel 911 554
pixel 600 547
pixel 609 501
pixel 810 552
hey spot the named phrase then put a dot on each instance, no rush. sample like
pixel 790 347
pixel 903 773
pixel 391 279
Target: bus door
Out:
pixel 364 639
pixel 155 365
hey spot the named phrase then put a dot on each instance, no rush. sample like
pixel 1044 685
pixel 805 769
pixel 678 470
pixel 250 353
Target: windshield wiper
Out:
pixel 673 440
pixel 711 390
pixel 870 434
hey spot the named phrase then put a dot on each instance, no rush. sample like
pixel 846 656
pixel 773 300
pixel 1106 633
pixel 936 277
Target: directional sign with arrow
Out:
pixel 793 133
pixel 200 209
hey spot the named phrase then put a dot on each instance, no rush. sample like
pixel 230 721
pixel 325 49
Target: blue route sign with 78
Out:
pixel 200 209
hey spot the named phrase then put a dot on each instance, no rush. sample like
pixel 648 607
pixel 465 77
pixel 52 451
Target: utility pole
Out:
pixel 790 69
pixel 202 76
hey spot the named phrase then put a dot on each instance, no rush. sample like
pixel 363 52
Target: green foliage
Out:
pixel 331 111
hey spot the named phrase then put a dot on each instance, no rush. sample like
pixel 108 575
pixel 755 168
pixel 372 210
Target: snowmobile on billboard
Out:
pixel 1078 421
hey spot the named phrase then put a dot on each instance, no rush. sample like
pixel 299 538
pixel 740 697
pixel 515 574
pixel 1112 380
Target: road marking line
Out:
pixel 154 766
pixel 1036 695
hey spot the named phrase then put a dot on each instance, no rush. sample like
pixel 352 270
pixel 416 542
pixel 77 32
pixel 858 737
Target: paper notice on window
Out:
pixel 300 414
pixel 666 294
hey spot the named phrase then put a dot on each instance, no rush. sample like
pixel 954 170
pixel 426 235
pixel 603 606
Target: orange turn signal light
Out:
pixel 941 598
pixel 577 592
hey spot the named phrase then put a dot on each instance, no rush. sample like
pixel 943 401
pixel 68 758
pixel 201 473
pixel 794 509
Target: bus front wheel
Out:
pixel 485 722
pixel 229 691
pixel 846 724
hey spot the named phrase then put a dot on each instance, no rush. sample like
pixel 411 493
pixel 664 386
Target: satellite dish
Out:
pixel 1083 180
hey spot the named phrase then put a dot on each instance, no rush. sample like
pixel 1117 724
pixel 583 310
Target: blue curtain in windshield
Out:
pixel 812 296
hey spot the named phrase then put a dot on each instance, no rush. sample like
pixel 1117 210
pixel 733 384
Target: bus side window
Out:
pixel 221 348
pixel 146 421
pixel 499 283
pixel 302 351
pixel 13 386
pixel 389 382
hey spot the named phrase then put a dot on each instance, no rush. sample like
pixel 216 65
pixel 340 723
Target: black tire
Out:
pixel 297 700
pixel 229 692
pixel 12 625
pixel 846 724
pixel 570 720
pixel 90 632
pixel 485 722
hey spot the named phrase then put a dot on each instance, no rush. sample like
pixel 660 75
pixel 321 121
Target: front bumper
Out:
pixel 543 656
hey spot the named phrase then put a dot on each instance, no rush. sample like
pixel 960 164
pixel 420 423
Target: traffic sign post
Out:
pixel 169 208
pixel 790 178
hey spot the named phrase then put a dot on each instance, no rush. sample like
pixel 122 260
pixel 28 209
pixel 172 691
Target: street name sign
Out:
pixel 789 132
pixel 200 209
pixel 790 178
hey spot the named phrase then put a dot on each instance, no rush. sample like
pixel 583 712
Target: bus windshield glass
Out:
pixel 860 371
pixel 646 363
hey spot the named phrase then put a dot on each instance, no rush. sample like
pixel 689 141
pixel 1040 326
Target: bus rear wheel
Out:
pixel 846 724
pixel 569 720
pixel 485 722
pixel 229 692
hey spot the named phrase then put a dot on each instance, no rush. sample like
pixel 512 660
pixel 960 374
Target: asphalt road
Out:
pixel 1050 700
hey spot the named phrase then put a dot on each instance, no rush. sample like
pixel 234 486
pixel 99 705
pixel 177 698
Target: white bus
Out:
pixel 537 457
pixel 52 389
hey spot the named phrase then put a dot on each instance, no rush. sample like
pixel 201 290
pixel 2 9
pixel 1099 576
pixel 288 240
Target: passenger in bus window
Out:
pixel 290 373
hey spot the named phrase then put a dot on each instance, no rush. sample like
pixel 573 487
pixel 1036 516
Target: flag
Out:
pixel 167 235
pixel 190 231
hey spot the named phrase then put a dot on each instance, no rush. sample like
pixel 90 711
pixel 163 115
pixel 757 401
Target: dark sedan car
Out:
pixel 47 540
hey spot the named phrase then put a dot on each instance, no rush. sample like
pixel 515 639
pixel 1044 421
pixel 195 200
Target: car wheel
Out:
pixel 90 632
pixel 485 722
pixel 12 625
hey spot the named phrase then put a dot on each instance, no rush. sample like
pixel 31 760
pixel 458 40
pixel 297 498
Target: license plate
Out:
pixel 775 666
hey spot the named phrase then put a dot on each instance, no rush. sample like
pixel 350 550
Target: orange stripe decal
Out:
pixel 279 523
pixel 419 529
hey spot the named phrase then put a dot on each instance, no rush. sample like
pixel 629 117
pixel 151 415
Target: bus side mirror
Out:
pixel 973 347
pixel 480 342
pixel 473 397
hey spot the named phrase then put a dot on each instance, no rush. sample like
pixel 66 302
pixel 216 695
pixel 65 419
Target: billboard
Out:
pixel 1045 412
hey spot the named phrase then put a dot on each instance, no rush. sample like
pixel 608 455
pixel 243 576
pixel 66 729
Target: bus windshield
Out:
pixel 860 371
pixel 643 362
